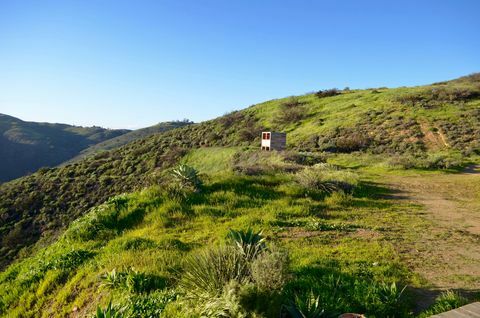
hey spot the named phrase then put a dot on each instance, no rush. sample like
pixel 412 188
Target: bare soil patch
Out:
pixel 447 251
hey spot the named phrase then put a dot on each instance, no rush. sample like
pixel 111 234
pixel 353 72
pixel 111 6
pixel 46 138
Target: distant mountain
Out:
pixel 129 137
pixel 27 146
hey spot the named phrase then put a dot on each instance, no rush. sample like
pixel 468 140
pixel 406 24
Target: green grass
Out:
pixel 151 233
pixel 354 237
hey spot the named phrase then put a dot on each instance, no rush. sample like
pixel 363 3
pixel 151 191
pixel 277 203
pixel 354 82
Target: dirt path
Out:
pixel 447 251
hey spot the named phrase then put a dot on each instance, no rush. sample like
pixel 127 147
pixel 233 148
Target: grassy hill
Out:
pixel 27 146
pixel 347 242
pixel 129 137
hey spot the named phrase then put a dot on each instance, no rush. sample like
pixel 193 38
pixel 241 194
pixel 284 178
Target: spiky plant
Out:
pixel 248 242
pixel 187 176
pixel 205 273
pixel 108 312
pixel 306 306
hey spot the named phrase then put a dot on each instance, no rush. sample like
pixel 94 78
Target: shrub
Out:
pixel 305 158
pixel 270 270
pixel 328 93
pixel 101 222
pixel 324 178
pixel 352 142
pixel 206 273
pixel 291 111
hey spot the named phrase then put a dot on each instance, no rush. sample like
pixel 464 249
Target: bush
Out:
pixel 324 178
pixel 304 158
pixel 328 93
pixel 352 142
pixel 101 222
pixel 270 270
pixel 291 111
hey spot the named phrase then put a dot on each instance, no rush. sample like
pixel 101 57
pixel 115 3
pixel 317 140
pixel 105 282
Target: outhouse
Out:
pixel 273 140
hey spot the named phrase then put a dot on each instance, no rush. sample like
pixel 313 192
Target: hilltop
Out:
pixel 333 201
pixel 27 146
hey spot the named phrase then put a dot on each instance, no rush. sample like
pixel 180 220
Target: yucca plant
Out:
pixel 112 279
pixel 108 312
pixel 390 294
pixel 187 176
pixel 306 306
pixel 248 242
pixel 205 273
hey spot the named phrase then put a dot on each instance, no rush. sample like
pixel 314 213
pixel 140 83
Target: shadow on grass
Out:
pixel 253 187
pixel 341 292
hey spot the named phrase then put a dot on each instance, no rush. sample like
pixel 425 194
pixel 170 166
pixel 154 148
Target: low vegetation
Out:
pixel 199 219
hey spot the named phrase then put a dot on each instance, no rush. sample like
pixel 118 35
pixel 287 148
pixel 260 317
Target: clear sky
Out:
pixel 130 64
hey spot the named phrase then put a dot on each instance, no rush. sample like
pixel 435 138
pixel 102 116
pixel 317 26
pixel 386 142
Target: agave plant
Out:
pixel 250 243
pixel 187 176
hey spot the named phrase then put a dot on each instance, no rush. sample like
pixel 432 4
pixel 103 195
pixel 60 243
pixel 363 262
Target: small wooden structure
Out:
pixel 273 140
pixel 470 310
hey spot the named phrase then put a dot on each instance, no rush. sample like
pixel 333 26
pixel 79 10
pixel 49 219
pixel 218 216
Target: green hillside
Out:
pixel 336 235
pixel 27 146
pixel 129 137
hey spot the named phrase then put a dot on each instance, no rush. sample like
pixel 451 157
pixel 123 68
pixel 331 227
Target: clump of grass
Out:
pixel 446 301
pixel 206 273
pixel 133 281
pixel 148 304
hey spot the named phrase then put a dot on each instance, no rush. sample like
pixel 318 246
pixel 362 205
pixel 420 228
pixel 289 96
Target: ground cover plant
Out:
pixel 346 224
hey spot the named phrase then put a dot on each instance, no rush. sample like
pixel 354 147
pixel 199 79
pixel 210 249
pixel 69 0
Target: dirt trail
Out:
pixel 447 252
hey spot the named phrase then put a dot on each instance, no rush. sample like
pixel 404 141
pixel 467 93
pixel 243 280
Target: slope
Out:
pixel 383 122
pixel 348 251
pixel 124 139
pixel 28 146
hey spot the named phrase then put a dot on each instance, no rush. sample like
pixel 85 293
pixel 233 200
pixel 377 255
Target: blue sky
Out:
pixel 130 64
